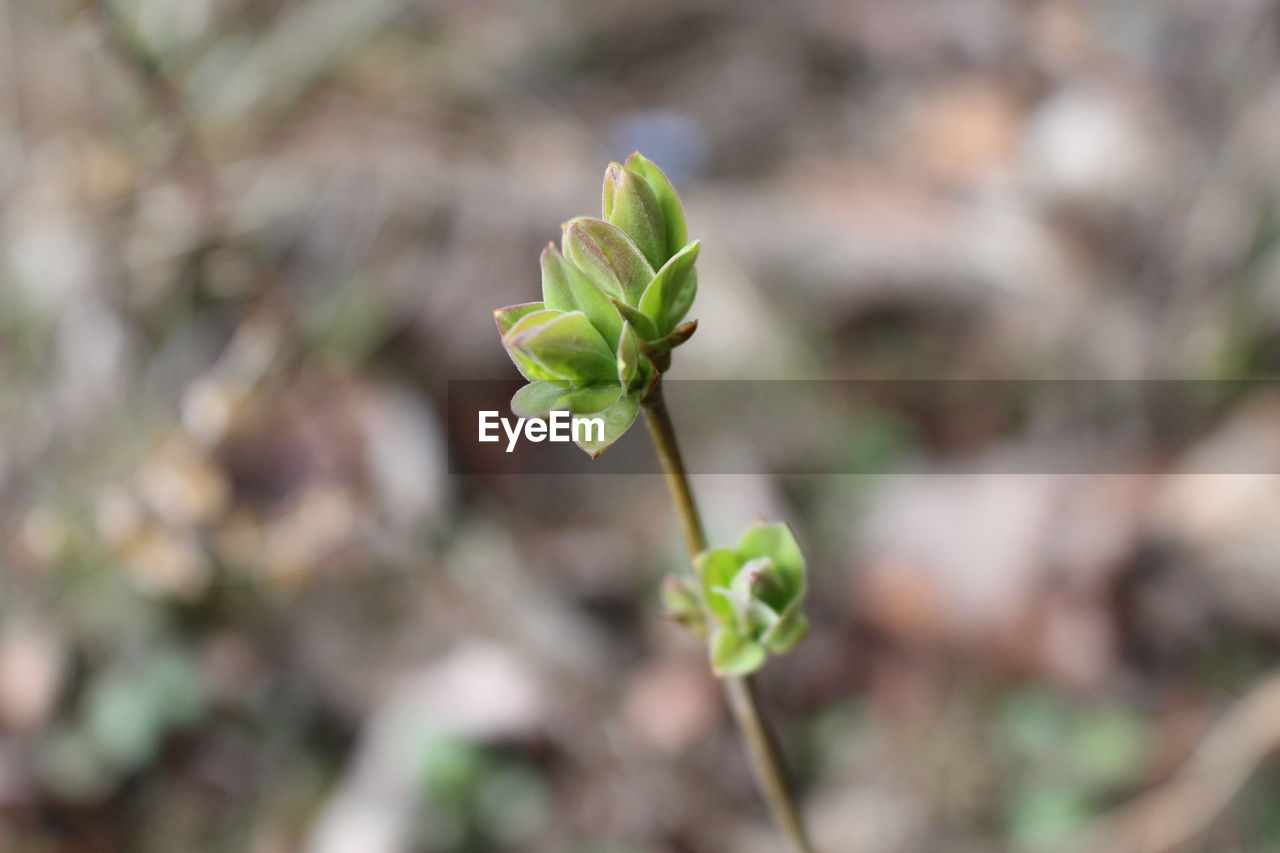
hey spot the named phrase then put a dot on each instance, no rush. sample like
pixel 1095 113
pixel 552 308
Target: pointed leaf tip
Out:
pixel 617 419
pixel 672 212
pixel 510 315
pixel 629 202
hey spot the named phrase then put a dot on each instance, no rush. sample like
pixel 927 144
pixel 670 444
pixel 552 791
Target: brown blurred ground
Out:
pixel 245 245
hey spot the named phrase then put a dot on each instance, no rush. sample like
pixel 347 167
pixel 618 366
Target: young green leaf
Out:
pixel 567 347
pixel 734 654
pixel 682 300
pixel 629 202
pixel 608 257
pixel 556 292
pixel 678 335
pixel 566 287
pixel 537 398
pixel 628 357
pixel 751 617
pixel 507 317
pixel 716 568
pixel 532 369
pixel 643 325
pixel 668 201
pixel 776 542
pixel 667 298
pixel 787 632
pixel 592 398
pixel 617 419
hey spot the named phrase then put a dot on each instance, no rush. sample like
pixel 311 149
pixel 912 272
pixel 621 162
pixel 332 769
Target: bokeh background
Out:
pixel 245 606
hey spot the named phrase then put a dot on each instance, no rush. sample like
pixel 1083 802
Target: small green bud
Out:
pixel 629 358
pixel 753 594
pixel 681 604
pixel 760 579
pixel 612 296
pixel 678 335
pixel 672 213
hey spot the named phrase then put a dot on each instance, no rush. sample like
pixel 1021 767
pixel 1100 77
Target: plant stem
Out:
pixel 762 746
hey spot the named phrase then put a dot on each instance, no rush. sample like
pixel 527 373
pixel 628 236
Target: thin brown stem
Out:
pixel 766 759
pixel 664 442
pixel 762 746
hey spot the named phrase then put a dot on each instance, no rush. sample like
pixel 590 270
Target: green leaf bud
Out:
pixel 628 357
pixel 668 203
pixel 613 294
pixel 753 595
pixel 682 604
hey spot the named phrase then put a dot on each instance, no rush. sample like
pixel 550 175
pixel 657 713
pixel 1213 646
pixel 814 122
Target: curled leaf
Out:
pixel 753 596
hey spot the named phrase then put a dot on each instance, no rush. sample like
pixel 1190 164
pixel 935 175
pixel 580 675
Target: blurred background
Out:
pixel 245 606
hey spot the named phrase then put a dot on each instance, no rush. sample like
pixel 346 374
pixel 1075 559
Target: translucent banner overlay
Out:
pixel 841 427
